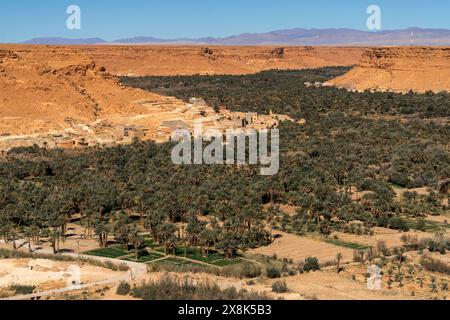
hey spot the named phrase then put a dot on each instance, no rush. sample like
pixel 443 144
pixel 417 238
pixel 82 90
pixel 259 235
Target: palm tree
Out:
pixel 208 237
pixel 166 232
pixel 102 229
pixel 136 240
pixel 194 229
pixel 172 243
pixel 28 233
pixel 121 229
pixel 54 238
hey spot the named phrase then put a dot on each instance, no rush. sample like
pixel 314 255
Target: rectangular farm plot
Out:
pixel 145 257
pixel 226 262
pixel 107 252
pixel 299 248
pixel 194 254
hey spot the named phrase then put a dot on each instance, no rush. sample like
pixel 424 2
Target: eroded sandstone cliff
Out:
pixel 43 89
pixel 400 69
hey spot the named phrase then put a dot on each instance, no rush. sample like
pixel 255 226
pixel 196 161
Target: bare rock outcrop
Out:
pixel 42 86
pixel 419 69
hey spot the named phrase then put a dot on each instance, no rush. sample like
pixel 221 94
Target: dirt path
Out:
pixel 136 270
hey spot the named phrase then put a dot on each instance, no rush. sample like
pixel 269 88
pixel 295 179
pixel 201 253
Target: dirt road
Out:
pixel 136 270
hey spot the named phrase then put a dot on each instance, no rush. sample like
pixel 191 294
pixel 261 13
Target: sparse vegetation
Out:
pixel 123 288
pixel 22 289
pixel 280 286
pixel 311 264
pixel 273 272
pixel 435 265
pixel 169 288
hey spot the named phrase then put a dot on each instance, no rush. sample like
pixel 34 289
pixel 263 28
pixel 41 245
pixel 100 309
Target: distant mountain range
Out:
pixel 303 37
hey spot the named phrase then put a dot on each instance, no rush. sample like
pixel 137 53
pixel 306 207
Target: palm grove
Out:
pixel 351 142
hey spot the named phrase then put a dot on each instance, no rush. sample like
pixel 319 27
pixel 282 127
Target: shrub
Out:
pixel 280 286
pixel 123 289
pixel 22 289
pixel 169 288
pixel 311 264
pixel 434 265
pixel 358 256
pixel 231 293
pixel 421 225
pixel 382 248
pixel 398 223
pixel 438 244
pixel 241 270
pixel 273 272
pixel 250 270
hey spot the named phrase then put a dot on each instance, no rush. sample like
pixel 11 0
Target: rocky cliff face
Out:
pixel 400 69
pixel 191 60
pixel 41 87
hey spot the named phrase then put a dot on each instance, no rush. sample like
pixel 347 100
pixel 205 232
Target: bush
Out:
pixel 169 288
pixel 398 223
pixel 382 248
pixel 241 270
pixel 273 272
pixel 250 270
pixel 435 265
pixel 395 223
pixel 437 246
pixel 22 290
pixel 280 287
pixel 231 293
pixel 123 289
pixel 421 225
pixel 311 264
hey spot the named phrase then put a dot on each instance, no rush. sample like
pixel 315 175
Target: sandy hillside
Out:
pixel 189 60
pixel 400 69
pixel 44 89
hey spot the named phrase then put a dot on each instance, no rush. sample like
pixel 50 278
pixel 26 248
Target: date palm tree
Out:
pixel 136 240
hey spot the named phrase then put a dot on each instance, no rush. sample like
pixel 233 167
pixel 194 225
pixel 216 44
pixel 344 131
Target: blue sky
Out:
pixel 113 19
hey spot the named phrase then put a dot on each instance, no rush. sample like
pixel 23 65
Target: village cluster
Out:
pixel 162 120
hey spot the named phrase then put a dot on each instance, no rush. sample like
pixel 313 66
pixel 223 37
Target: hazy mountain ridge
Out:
pixel 297 36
